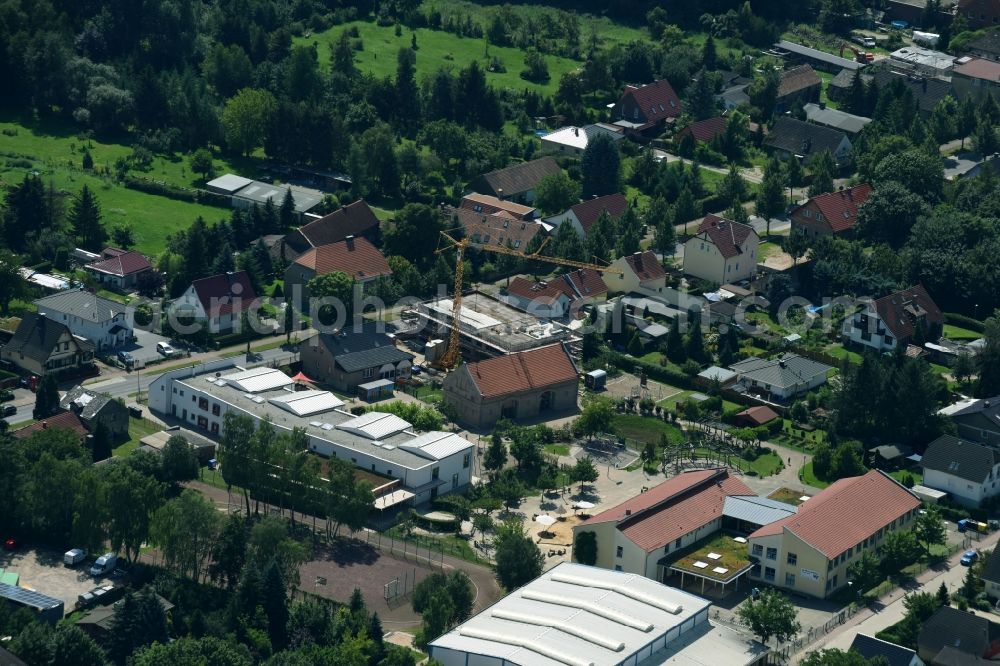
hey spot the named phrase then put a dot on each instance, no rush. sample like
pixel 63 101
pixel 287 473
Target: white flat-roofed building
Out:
pixel 426 464
pixel 576 615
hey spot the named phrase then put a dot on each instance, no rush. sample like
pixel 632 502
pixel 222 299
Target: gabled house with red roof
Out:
pixel 355 219
pixel 118 269
pixel 644 534
pixel 67 420
pixel 722 251
pixel 356 257
pixel 561 296
pixel 893 320
pixel 703 131
pixel 830 213
pixel 499 228
pixel 810 551
pixel 640 273
pixel 522 385
pixel 219 301
pixel 583 216
pixel 646 108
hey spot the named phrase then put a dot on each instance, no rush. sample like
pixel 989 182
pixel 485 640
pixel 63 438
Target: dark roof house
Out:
pixel 725 234
pixel 516 182
pixel 39 345
pixel 588 212
pixel 904 310
pixel 986 46
pixel 928 91
pixel 94 408
pixel 791 136
pixel 353 356
pixel 800 83
pixel 953 628
pixel 870 647
pixel 354 219
pixel 226 293
pixel 65 420
pixel 703 131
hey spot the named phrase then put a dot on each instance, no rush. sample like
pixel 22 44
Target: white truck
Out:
pixel 104 565
pixel 73 557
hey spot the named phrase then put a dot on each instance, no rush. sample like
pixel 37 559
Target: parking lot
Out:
pixel 143 350
pixel 43 571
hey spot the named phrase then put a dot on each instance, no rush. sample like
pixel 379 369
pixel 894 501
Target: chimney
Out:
pixel 45 424
pixel 628 512
pixel 576 131
pixel 349 239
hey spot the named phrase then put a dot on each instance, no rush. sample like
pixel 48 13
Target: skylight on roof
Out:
pixel 375 425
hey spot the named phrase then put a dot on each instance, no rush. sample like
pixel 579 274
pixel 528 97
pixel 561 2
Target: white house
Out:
pixel 572 140
pixel 968 472
pixel 640 273
pixel 104 323
pixel 722 251
pixel 780 379
pixel 894 319
pixel 219 300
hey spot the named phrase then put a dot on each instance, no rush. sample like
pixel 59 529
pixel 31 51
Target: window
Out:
pixel 819 217
pixel 619 551
pixel 368 373
pixel 436 473
pixel 789 580
pixel 618 567
pixel 388 472
pixel 792 559
pixel 758 549
pixel 677 544
pixel 203 404
pixel 215 409
pixel 768 574
pixel 772 553
pixel 506 223
pixel 465 460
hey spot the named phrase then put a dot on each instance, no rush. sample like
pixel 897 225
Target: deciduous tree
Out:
pixel 770 615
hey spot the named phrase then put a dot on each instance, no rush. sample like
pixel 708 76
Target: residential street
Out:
pixel 891 609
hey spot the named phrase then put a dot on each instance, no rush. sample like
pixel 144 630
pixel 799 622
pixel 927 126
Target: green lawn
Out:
pixel 645 429
pixel 838 350
pixel 786 495
pixel 152 217
pixel 767 464
pixel 732 556
pixel 901 474
pixel 137 429
pixel 765 250
pixel 675 399
pixel 807 477
pixel 435 49
pixel 953 332
pixel 557 449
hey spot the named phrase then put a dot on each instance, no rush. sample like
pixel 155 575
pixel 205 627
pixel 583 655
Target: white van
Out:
pixel 73 557
pixel 104 565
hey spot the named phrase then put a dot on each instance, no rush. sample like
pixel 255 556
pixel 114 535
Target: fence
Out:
pixel 784 653
pixel 428 552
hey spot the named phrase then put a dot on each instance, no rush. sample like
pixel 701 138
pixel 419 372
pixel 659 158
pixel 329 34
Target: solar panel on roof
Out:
pixel 28 597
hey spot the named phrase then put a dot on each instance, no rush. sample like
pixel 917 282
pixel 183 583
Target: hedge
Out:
pixel 173 192
pixel 660 373
pixel 963 321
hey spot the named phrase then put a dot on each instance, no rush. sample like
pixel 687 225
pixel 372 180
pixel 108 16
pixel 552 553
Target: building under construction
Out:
pixel 487 327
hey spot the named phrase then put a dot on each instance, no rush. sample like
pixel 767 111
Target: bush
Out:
pixel 956 319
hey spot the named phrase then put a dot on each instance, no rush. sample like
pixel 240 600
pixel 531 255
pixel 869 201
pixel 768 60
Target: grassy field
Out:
pixel 645 429
pixel 807 477
pixel 767 464
pixel 436 48
pixel 953 332
pixel 557 449
pixel 786 495
pixel 838 350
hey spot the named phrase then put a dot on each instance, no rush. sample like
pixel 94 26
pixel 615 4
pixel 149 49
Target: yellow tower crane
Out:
pixel 450 356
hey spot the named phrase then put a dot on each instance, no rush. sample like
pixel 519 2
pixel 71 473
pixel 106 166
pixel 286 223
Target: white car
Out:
pixel 164 348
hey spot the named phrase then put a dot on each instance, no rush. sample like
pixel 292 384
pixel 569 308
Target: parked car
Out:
pixel 91 598
pixel 9 410
pixel 74 556
pixel 104 565
pixel 969 558
pixel 125 358
pixel 164 348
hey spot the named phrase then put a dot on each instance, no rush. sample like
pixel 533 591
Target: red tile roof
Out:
pixel 726 235
pixel 357 257
pixel 704 131
pixel 656 100
pixel 846 513
pixel 497 228
pixel 523 371
pixel 580 284
pixel 223 291
pixel 840 209
pixel 673 508
pixel 757 415
pixel 646 266
pixel 120 263
pixel 901 310
pixel 588 211
pixel 67 420
pixel 484 203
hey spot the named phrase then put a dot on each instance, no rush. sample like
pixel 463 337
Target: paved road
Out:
pixel 890 607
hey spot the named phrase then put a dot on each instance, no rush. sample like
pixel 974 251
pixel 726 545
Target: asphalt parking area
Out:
pixel 44 572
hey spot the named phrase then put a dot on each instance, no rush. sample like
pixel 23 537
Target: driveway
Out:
pixel 143 350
